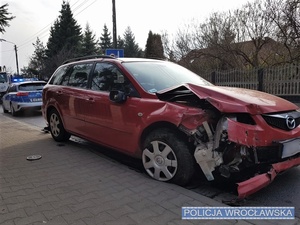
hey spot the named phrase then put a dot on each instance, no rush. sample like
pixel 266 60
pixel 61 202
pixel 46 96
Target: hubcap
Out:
pixel 160 161
pixel 54 124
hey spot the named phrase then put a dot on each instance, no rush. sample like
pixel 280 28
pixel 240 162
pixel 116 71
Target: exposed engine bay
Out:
pixel 219 152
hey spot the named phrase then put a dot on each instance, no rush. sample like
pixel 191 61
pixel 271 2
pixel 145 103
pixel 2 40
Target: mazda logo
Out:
pixel 290 122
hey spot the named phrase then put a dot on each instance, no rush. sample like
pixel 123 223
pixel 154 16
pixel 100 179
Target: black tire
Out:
pixel 166 157
pixel 56 126
pixel 12 111
pixel 4 110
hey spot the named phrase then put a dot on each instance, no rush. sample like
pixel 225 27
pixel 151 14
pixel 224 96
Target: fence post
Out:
pixel 213 77
pixel 260 77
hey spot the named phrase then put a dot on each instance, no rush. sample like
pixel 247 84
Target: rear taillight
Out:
pixel 22 94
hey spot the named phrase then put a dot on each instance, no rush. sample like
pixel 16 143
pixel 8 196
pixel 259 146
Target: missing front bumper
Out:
pixel 258 182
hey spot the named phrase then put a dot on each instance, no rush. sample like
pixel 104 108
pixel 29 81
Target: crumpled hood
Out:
pixel 230 100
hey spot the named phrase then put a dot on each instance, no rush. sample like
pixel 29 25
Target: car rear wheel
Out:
pixel 166 157
pixel 13 111
pixel 57 129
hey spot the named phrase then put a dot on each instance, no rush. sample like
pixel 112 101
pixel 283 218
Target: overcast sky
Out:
pixel 35 17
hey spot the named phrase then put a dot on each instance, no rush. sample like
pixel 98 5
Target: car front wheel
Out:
pixel 57 129
pixel 166 157
pixel 4 109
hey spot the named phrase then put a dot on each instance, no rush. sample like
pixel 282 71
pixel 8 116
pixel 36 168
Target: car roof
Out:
pixel 30 82
pixel 139 60
pixel 108 58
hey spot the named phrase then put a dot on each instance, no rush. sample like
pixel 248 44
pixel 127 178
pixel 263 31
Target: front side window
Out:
pixel 104 77
pixel 107 77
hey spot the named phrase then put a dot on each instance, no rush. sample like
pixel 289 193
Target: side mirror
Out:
pixel 117 96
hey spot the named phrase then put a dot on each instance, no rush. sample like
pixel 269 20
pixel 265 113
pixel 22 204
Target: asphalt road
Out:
pixel 282 192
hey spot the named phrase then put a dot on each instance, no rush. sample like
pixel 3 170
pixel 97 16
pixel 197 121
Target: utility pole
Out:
pixel 114 24
pixel 16 52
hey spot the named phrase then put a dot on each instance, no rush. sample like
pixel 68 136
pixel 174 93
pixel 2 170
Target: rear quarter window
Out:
pixel 58 75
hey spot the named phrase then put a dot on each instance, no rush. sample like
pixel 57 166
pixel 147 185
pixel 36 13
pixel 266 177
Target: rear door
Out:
pixel 69 96
pixel 6 100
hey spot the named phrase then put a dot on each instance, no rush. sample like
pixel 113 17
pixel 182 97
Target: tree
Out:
pixel 131 49
pixel 185 40
pixel 37 60
pixel 105 39
pixel 243 38
pixel 286 16
pixel 253 23
pixel 154 47
pixel 89 45
pixel 120 43
pixel 5 17
pixel 64 41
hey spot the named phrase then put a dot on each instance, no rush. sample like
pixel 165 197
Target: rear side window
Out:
pixel 76 75
pixel 59 75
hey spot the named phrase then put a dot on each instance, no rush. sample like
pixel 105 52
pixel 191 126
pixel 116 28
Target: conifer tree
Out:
pixel 105 39
pixel 65 38
pixel 65 33
pixel 89 45
pixel 5 17
pixel 154 48
pixel 131 49
pixel 36 63
pixel 120 43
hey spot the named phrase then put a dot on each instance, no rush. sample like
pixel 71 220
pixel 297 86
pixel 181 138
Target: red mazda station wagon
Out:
pixel 174 120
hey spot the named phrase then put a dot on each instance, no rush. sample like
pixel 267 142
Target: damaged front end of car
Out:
pixel 251 145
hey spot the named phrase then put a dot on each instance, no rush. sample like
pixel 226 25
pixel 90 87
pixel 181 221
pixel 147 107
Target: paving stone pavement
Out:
pixel 71 185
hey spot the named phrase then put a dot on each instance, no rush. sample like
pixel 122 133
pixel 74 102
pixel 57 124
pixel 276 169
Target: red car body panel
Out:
pixel 258 182
pixel 257 135
pixel 230 100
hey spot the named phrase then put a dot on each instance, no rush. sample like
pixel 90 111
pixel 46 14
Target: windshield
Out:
pixel 155 76
pixel 3 78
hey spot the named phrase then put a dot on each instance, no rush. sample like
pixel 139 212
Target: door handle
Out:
pixel 91 100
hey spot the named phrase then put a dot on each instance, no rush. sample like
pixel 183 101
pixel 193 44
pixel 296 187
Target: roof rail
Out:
pixel 88 57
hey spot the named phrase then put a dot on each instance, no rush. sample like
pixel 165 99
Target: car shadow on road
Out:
pixel 30 113
pixel 199 183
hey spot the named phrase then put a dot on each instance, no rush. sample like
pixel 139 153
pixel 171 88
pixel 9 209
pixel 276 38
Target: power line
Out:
pixel 86 7
pixel 44 31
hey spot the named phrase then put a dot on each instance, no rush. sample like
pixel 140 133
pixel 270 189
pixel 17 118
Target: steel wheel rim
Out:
pixel 160 161
pixel 54 124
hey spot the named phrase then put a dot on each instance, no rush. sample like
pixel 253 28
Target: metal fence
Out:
pixel 282 80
